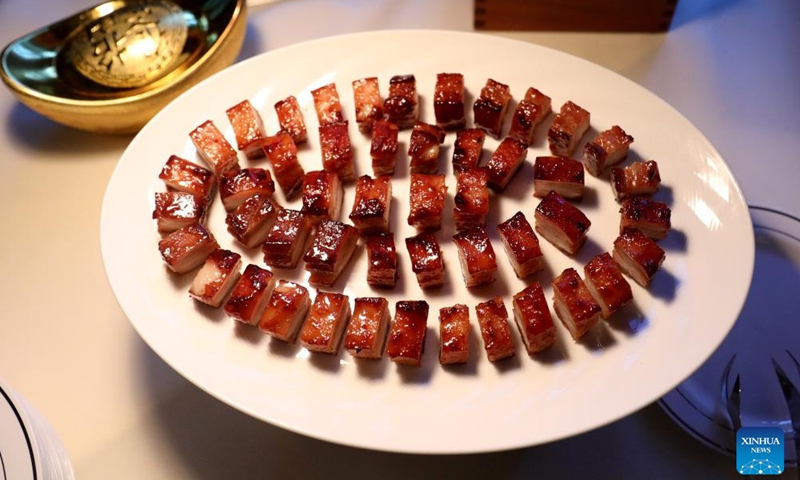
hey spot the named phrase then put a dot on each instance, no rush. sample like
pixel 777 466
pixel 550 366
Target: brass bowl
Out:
pixel 112 67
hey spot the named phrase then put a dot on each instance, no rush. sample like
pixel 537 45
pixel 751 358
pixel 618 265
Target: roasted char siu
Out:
pixel 326 103
pixel 248 129
pixel 607 150
pixel 475 252
pixel 426 260
pixel 368 102
pixel 467 149
pixel 187 248
pixel 471 201
pixel 638 255
pixel 532 316
pixel 322 196
pixel 407 335
pixel 326 322
pixel 282 154
pixel 638 178
pixel 427 196
pixel 606 284
pixel 216 277
pixel 372 204
pixel 454 334
pixel 291 120
pixel 559 174
pixel 383 148
pixel 574 304
pixel 337 153
pixel 489 109
pixel 402 104
pixel 493 320
pixel 252 220
pixel 505 162
pixel 182 175
pixel 567 129
pixel 250 295
pixel 448 101
pixel 649 216
pixel 213 148
pixel 236 186
pixel 521 245
pixel 333 246
pixel 368 327
pixel 529 113
pixel 423 148
pixel 287 240
pixel 285 311
pixel 382 258
pixel 561 223
pixel 174 210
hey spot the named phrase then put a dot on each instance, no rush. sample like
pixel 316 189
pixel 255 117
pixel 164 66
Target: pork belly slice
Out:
pixel 574 304
pixel 489 109
pixel 406 340
pixel 402 104
pixel 637 255
pixel 282 154
pixel 567 129
pixel 505 162
pixel 331 250
pixel 213 148
pixel 607 150
pixel 285 311
pixel 248 129
pixel 454 334
pixel 423 148
pixel 529 113
pixel 372 204
pixel 291 120
pixel 382 258
pixel 326 322
pixel 252 220
pixel 606 284
pixel 475 252
pixel 649 216
pixel 287 240
pixel 521 245
pixel 383 147
pixel 561 223
pixel 448 101
pixel 368 326
pixel 532 316
pixel 236 186
pixel 322 196
pixel 216 277
pixel 471 201
pixel 426 197
pixel 184 176
pixel 493 321
pixel 250 295
pixel 638 178
pixel 368 102
pixel 559 174
pixel 327 105
pixel 337 153
pixel 468 148
pixel 176 210
pixel 187 248
pixel 426 260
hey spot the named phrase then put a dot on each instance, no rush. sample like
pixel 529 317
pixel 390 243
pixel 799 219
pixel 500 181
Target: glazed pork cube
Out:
pixel 213 148
pixel 368 326
pixel 529 113
pixel 426 197
pixel 184 176
pixel 567 128
pixel 448 101
pixel 489 110
pixel 248 129
pixel 532 316
pixel 561 223
pixel 475 252
pixel 606 284
pixel 493 321
pixel 282 154
pixel 331 250
pixel 649 216
pixel 291 120
pixel 402 104
pixel 637 255
pixel 638 178
pixel 467 149
pixel 382 258
pixel 521 245
pixel 426 260
pixel 372 204
pixel 406 340
pixel 337 153
pixel 574 304
pixel 287 240
pixel 326 322
pixel 216 277
pixel 285 311
pixel 250 295
pixel 252 220
pixel 236 186
pixel 187 248
pixel 607 150
pixel 383 147
pixel 326 103
pixel 368 102
pixel 454 334
pixel 174 210
pixel 562 175
pixel 471 201
pixel 322 196
pixel 505 162
pixel 423 148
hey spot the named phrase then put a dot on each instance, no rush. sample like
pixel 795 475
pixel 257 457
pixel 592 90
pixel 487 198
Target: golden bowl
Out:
pixel 112 67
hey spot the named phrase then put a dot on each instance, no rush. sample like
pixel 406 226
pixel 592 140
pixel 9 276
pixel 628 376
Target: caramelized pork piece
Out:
pixel 532 316
pixel 529 113
pixel 176 210
pixel 468 148
pixel 369 105
pixel 638 178
pixel 475 252
pixel 282 154
pixel 291 120
pixel 454 334
pixel 285 311
pixel 213 148
pixel 382 258
pixel 216 277
pixel 521 245
pixel 649 216
pixel 236 186
pixel 426 260
pixel 402 104
pixel 326 103
pixel 427 196
pixel 248 129
pixel 489 110
pixel 372 204
pixel 574 304
pixel 184 176
pixel 638 255
pixel 367 330
pixel 250 295
pixel 383 148
pixel 252 220
pixel 333 245
pixel 561 223
pixel 287 240
pixel 607 150
pixel 567 129
pixel 505 162
pixel 406 340
pixel 606 284
pixel 448 101
pixel 423 148
pixel 337 153
pixel 322 196
pixel 471 201
pixel 326 322
pixel 493 320
pixel 187 248
pixel 558 174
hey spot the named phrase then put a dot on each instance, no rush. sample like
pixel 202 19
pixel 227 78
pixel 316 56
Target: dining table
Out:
pixel 731 67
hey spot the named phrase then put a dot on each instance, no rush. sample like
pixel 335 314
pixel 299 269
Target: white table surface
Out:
pixel 731 67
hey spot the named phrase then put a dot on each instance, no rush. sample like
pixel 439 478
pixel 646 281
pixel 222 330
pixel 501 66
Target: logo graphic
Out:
pixel 759 451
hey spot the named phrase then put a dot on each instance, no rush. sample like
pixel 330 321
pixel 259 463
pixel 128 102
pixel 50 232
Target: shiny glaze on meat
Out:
pixel 291 120
pixel 489 110
pixel 561 223
pixel 322 195
pixel 235 186
pixel 367 329
pixel 649 216
pixel 372 204
pixel 251 221
pixel 454 334
pixel 325 322
pixel 368 103
pixel 505 162
pixel 606 283
pixel 638 178
pixel 574 304
pixel 407 336
pixel 382 260
pixel 521 245
pixel 529 113
pixel 426 260
pixel 287 240
pixel 468 148
pixel 327 105
pixel 250 295
pixel 532 316
pixel 282 154
pixel 187 248
pixel 448 101
pixel 493 321
pixel 174 210
pixel 471 201
pixel 383 147
pixel 216 277
pixel 185 176
pixel 337 153
pixel 402 104
pixel 567 128
pixel 562 174
pixel 478 263
pixel 427 196
pixel 285 311
pixel 248 128
pixel 608 149
pixel 213 148
pixel 638 255
pixel 333 245
pixel 423 148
